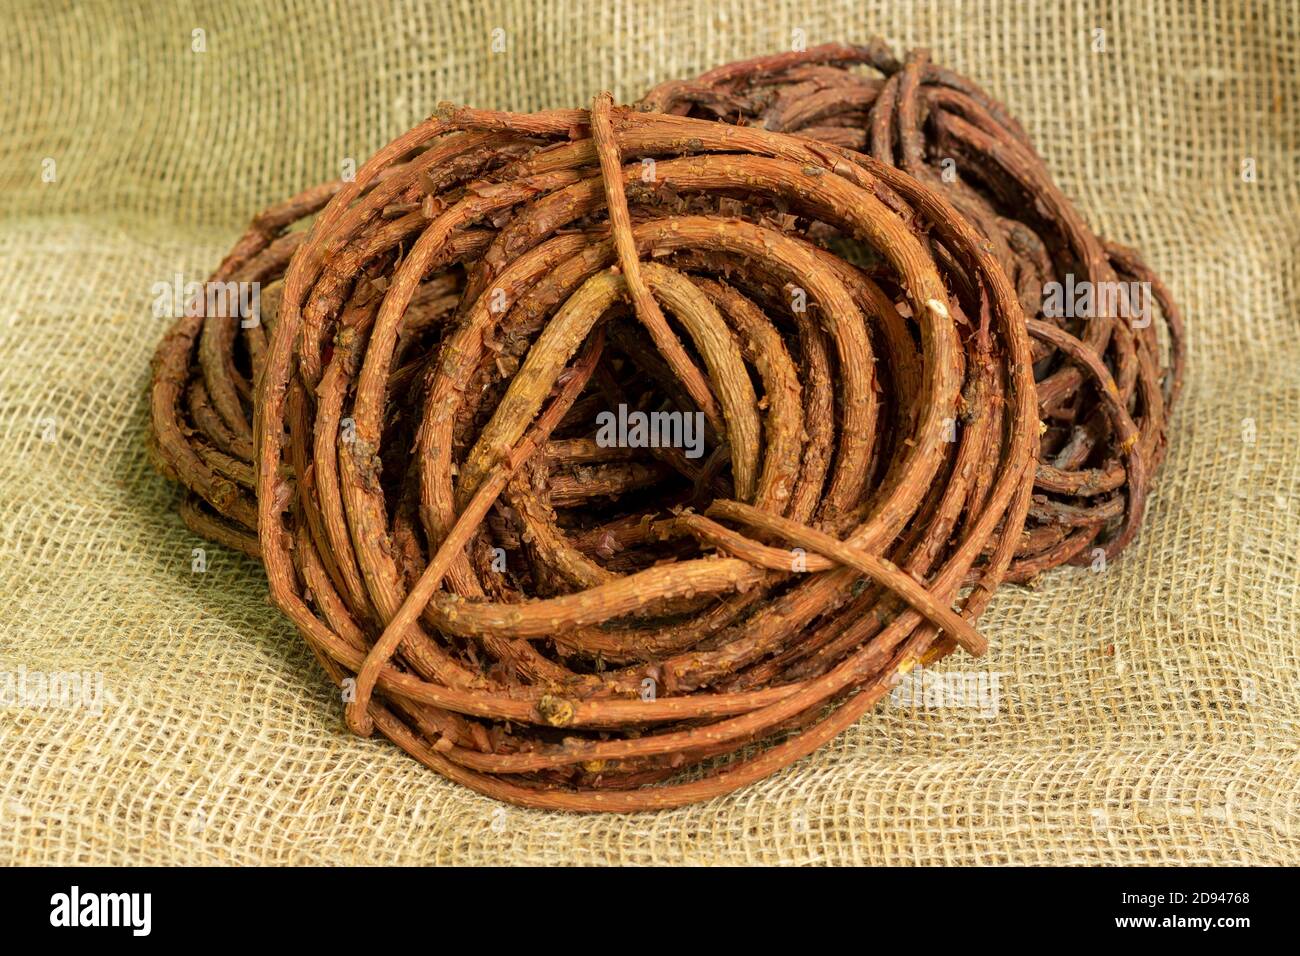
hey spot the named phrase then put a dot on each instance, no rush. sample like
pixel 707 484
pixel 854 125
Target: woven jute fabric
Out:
pixel 155 709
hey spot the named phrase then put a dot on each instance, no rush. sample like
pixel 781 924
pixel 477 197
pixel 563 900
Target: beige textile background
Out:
pixel 1148 713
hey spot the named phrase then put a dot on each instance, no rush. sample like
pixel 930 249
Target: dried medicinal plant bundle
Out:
pixel 622 458
pixel 558 621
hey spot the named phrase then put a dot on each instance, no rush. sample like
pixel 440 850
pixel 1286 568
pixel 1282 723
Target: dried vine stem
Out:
pixel 1093 480
pixel 663 628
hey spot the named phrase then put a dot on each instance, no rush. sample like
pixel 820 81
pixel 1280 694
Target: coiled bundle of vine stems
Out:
pixel 818 548
pixel 562 624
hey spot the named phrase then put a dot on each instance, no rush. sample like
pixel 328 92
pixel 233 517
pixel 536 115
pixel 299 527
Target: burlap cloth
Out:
pixel 1147 712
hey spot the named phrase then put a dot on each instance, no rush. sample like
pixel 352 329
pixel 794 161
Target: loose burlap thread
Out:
pixel 1147 712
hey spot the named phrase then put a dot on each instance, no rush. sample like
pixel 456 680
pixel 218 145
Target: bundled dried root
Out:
pixel 563 623
pixel 944 130
pixel 558 622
